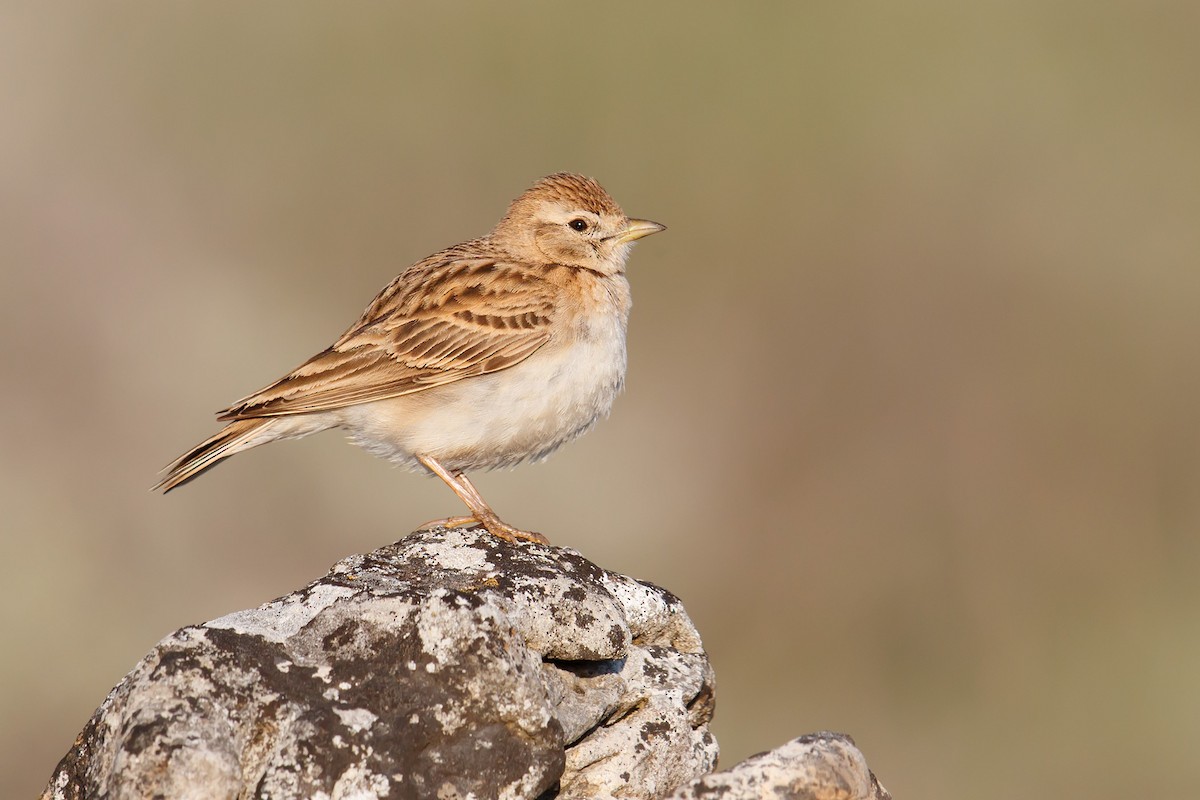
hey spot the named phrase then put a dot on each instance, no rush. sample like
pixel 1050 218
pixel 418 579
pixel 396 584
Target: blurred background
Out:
pixel 911 415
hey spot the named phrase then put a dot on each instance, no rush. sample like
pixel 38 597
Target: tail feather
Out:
pixel 233 438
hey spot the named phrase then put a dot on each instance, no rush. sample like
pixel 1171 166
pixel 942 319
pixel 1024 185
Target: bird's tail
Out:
pixel 235 437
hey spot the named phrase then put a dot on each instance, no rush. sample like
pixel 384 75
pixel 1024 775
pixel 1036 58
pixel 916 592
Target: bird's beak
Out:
pixel 636 229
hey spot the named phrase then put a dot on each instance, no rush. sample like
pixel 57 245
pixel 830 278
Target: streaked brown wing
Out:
pixel 437 323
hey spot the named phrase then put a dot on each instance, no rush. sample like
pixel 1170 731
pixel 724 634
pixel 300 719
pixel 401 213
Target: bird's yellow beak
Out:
pixel 637 228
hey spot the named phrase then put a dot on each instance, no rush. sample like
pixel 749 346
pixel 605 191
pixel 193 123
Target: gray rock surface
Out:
pixel 820 766
pixel 450 665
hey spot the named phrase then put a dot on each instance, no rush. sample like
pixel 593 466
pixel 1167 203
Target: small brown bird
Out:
pixel 487 354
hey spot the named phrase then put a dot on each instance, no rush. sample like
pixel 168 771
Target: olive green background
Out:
pixel 911 421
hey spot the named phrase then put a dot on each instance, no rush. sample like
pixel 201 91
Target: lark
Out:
pixel 487 354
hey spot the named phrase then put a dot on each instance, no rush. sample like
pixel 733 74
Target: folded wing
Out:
pixel 446 321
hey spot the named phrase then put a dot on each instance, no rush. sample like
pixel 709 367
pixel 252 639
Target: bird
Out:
pixel 487 354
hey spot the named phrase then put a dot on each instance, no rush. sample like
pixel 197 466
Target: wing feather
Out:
pixel 441 321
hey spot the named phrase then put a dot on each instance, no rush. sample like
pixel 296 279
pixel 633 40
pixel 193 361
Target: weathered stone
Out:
pixel 821 766
pixel 450 664
pixel 648 745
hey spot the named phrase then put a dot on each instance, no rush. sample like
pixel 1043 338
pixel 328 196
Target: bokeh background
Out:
pixel 912 411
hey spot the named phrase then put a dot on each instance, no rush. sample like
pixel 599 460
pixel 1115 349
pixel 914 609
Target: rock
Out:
pixel 820 766
pixel 450 665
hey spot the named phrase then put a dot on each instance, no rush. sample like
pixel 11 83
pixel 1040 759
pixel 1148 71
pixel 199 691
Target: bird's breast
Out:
pixel 522 413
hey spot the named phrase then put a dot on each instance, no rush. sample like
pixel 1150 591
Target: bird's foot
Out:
pixel 449 523
pixel 493 525
pixel 502 530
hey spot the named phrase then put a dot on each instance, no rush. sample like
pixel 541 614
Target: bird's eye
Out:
pixel 578 224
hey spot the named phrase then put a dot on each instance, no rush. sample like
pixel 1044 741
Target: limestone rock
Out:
pixel 450 664
pixel 821 766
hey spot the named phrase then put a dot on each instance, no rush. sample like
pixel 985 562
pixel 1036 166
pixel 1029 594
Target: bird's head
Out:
pixel 569 219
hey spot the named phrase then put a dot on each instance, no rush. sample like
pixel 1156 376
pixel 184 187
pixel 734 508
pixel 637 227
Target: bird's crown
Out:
pixel 576 191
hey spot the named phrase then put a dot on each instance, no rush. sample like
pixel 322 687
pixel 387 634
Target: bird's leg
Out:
pixel 452 480
pixel 480 510
pixel 465 482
